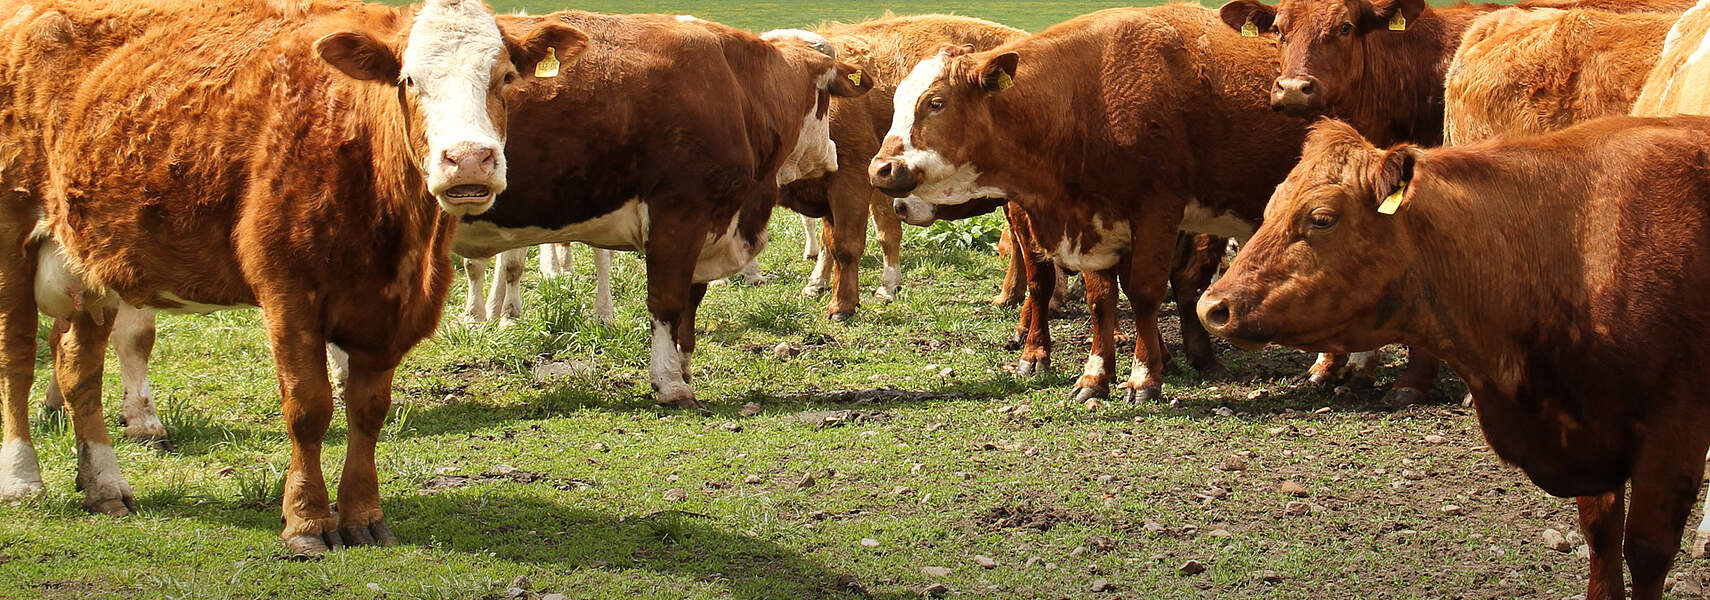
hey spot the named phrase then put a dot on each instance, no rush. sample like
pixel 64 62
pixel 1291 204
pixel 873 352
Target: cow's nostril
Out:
pixel 901 210
pixel 1307 87
pixel 886 169
pixel 1217 316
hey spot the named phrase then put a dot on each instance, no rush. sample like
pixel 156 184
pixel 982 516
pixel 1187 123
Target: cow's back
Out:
pixel 1680 82
pixel 1531 71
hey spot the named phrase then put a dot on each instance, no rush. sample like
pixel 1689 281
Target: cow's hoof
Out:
pixel 314 546
pixel 884 295
pixel 812 290
pixel 842 316
pixel 1085 393
pixel 1321 381
pixel 148 431
pixel 16 490
pixel 112 507
pixel 1004 300
pixel 1028 368
pixel 683 402
pixel 1403 397
pixel 810 256
pixel 1137 395
pixel 374 534
pixel 1701 545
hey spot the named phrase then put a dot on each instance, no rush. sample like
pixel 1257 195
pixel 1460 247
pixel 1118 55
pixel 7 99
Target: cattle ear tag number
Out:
pixel 1249 29
pixel 855 78
pixel 1003 80
pixel 547 67
pixel 1393 201
pixel 1398 22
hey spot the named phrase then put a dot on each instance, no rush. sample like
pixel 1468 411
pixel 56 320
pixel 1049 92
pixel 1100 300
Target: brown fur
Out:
pixel 885 49
pixel 1531 71
pixel 204 150
pixel 1587 370
pixel 1676 86
pixel 1180 103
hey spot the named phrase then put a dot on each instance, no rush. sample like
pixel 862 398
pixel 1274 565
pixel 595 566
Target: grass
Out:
pixel 585 488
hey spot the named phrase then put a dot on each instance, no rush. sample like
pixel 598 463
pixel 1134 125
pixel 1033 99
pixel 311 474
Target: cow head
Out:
pixel 1322 43
pixel 926 159
pixel 1325 270
pixel 455 72
pixel 814 154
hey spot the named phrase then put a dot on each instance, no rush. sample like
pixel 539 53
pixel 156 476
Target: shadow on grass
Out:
pixel 494 522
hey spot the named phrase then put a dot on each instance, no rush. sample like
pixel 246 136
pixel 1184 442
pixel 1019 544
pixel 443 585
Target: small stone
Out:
pixel 1031 560
pixel 1452 510
pixel 985 562
pixel 935 571
pixel 1292 488
pixel 1412 475
pixel 676 494
pixel 1223 411
pixel 522 582
pixel 1256 394
pixel 1573 537
pixel 902 490
pixel 1554 540
pixel 750 409
pixel 373 587
pixel 1222 533
pixel 784 351
pixel 1269 576
pixel 730 427
pixel 510 592
pixel 1297 508
pixel 1079 550
pixel 1324 409
pixel 947 372
pixel 1101 543
pixel 936 426
pixel 751 479
pixel 1688 587
pixel 1093 404
pixel 1436 439
pixel 1191 567
pixel 1282 430
pixel 806 481
pixel 869 542
pixel 1233 463
pixel 1153 527
pixel 554 596
pixel 936 590
pixel 1099 585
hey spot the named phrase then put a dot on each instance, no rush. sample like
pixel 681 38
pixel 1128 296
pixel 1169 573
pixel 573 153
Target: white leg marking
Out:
pixel 810 238
pixel 1361 362
pixel 133 337
pixel 475 303
pixel 98 475
pixel 338 367
pixel 667 366
pixel 505 302
pixel 555 260
pixel 889 282
pixel 20 474
pixel 1095 366
pixel 820 279
pixel 1138 372
pixel 603 287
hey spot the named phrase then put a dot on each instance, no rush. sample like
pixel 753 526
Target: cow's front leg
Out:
pixel 1146 278
pixel 686 330
pixel 299 355
pixel 1601 520
pixel 53 399
pixel 1034 330
pixel 1011 291
pixel 505 303
pixel 888 226
pixel 673 248
pixel 1666 478
pixel 133 342
pixel 810 238
pixel 1197 258
pixel 556 260
pixel 1101 361
pixel 1415 381
pixel 82 353
pixel 20 474
pixel 819 279
pixel 367 397
pixel 475 302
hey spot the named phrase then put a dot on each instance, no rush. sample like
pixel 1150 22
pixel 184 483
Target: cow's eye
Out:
pixel 510 78
pixel 1347 28
pixel 936 103
pixel 1321 219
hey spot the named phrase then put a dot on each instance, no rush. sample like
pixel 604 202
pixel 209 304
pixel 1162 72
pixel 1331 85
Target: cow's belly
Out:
pixel 1095 248
pixel 622 229
pixel 724 254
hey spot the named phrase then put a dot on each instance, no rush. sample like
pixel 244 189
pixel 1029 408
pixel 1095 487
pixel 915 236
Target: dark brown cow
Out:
pixel 885 49
pixel 1182 99
pixel 311 160
pixel 1584 352
pixel 1531 71
pixel 670 137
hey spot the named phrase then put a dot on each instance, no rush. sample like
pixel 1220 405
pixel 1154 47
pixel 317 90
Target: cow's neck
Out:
pixel 1402 98
pixel 402 205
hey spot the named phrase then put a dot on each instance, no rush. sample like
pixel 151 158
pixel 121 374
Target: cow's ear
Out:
pixel 359 55
pixel 541 50
pixel 949 49
pixel 1393 175
pixel 1395 15
pixel 998 72
pixel 850 81
pixel 1241 15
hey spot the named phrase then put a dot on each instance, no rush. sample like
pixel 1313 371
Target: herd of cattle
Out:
pixel 1482 198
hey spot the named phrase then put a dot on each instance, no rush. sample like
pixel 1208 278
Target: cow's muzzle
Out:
pixel 893 176
pixel 1297 94
pixel 1221 315
pixel 467 177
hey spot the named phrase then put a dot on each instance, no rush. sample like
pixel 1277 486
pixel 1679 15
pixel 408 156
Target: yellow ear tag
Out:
pixel 1249 29
pixel 1398 22
pixel 855 78
pixel 1393 201
pixel 548 67
pixel 1003 81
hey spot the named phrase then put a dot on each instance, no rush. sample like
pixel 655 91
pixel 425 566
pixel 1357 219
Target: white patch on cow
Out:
pixel 889 281
pixel 1138 371
pixel 666 366
pixel 1095 366
pixel 98 474
pixel 1199 219
pixel 821 277
pixel 622 229
pixel 171 303
pixel 452 49
pixel 20 474
pixel 725 254
pixel 1073 252
pixel 688 19
pixel 1364 362
pixel 907 98
pixel 61 290
pixel 941 183
pixel 1675 33
pixel 915 211
pixel 814 153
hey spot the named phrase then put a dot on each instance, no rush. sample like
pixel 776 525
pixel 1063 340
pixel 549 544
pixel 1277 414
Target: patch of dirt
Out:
pixel 823 419
pixel 66 588
pixel 500 473
pixel 1029 516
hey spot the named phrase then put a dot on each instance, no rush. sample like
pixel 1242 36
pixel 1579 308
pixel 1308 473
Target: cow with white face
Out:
pixel 1106 190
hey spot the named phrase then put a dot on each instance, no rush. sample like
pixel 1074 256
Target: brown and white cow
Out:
pixel 885 49
pixel 1182 107
pixel 670 138
pixel 1380 66
pixel 1523 71
pixel 310 159
pixel 1584 353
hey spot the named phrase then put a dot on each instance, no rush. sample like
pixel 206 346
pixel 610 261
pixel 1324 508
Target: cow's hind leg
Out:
pixel 1197 258
pixel 1415 380
pixel 505 302
pixel 1014 284
pixel 555 260
pixel 82 352
pixel 1034 330
pixel 1601 520
pixel 1148 273
pixel 20 473
pixel 475 303
pixel 673 247
pixel 133 341
pixel 810 238
pixel 603 310
pixel 1094 381
pixel 820 278
pixel 53 399
pixel 367 397
pixel 848 220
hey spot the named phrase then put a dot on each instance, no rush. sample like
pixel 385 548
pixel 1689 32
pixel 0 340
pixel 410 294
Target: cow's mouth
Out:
pixel 468 193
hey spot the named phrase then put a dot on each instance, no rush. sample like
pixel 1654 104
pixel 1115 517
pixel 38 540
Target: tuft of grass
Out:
pixel 259 486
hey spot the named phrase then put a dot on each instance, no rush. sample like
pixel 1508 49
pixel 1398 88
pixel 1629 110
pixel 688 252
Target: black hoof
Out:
pixel 1027 368
pixel 841 316
pixel 1145 394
